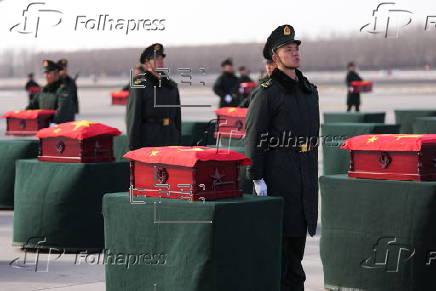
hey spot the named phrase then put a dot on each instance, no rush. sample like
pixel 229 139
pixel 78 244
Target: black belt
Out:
pixel 155 120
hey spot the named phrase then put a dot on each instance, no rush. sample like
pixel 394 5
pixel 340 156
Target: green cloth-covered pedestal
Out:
pixel 193 131
pixel 120 147
pixel 231 244
pixel 10 151
pixel 61 202
pixel 378 235
pixel 425 125
pixel 406 118
pixel 372 117
pixel 336 160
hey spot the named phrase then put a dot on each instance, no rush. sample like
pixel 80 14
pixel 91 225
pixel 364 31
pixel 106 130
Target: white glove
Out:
pixel 260 187
pixel 52 124
pixel 228 98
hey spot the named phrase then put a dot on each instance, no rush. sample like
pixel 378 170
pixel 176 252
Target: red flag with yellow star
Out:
pixel 389 142
pixel 232 112
pixel 184 155
pixel 28 114
pixel 78 130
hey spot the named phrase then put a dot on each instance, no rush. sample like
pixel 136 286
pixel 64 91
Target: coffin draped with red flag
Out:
pixel 231 122
pixel 182 172
pixel 27 122
pixel 392 156
pixel 77 142
pixel 120 97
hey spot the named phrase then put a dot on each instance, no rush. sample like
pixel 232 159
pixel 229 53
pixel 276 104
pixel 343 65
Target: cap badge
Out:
pixel 157 47
pixel 45 63
pixel 287 30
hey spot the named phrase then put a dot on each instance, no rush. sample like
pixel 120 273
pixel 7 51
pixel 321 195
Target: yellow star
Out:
pixel 231 109
pixel 192 150
pixel 408 135
pixel 81 123
pixel 17 111
pixel 372 139
pixel 57 130
pixel 153 153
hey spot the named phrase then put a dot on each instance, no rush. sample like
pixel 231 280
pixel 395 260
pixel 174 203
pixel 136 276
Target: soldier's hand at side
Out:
pixel 228 98
pixel 260 187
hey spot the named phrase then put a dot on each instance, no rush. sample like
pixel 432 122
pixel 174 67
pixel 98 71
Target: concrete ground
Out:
pixel 65 274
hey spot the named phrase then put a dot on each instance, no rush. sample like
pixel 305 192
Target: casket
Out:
pixel 392 156
pixel 27 122
pixel 361 86
pixel 230 122
pixel 77 142
pixel 247 87
pixel 182 172
pixel 120 97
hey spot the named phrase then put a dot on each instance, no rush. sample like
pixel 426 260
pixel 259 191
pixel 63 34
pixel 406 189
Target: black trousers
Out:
pixel 293 275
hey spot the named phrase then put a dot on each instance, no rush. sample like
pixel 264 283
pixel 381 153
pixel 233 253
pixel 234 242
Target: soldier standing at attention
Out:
pixel 153 111
pixel 353 99
pixel 226 86
pixel 287 104
pixel 69 82
pixel 55 95
pixel 31 87
pixel 244 75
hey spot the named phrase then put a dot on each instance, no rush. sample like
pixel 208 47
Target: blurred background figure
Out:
pixel 226 85
pixel 31 86
pixel 55 95
pixel 244 75
pixel 353 99
pixel 138 69
pixel 269 68
pixel 69 82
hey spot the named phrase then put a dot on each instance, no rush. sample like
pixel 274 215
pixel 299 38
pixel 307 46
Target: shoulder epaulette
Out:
pixel 267 83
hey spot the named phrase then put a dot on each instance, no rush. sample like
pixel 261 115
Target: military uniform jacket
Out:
pixel 55 96
pixel 145 127
pixel 227 84
pixel 71 84
pixel 284 107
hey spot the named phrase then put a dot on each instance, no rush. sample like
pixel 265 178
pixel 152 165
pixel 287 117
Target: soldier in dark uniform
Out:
pixel 353 99
pixel 69 82
pixel 55 95
pixel 269 67
pixel 226 86
pixel 139 69
pixel 31 87
pixel 153 113
pixel 282 129
pixel 244 75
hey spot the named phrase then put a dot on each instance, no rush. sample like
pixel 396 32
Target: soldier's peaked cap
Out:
pixel 49 65
pixel 148 52
pixel 281 36
pixel 63 63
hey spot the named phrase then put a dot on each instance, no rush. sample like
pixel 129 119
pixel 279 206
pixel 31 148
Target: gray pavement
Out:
pixel 64 274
